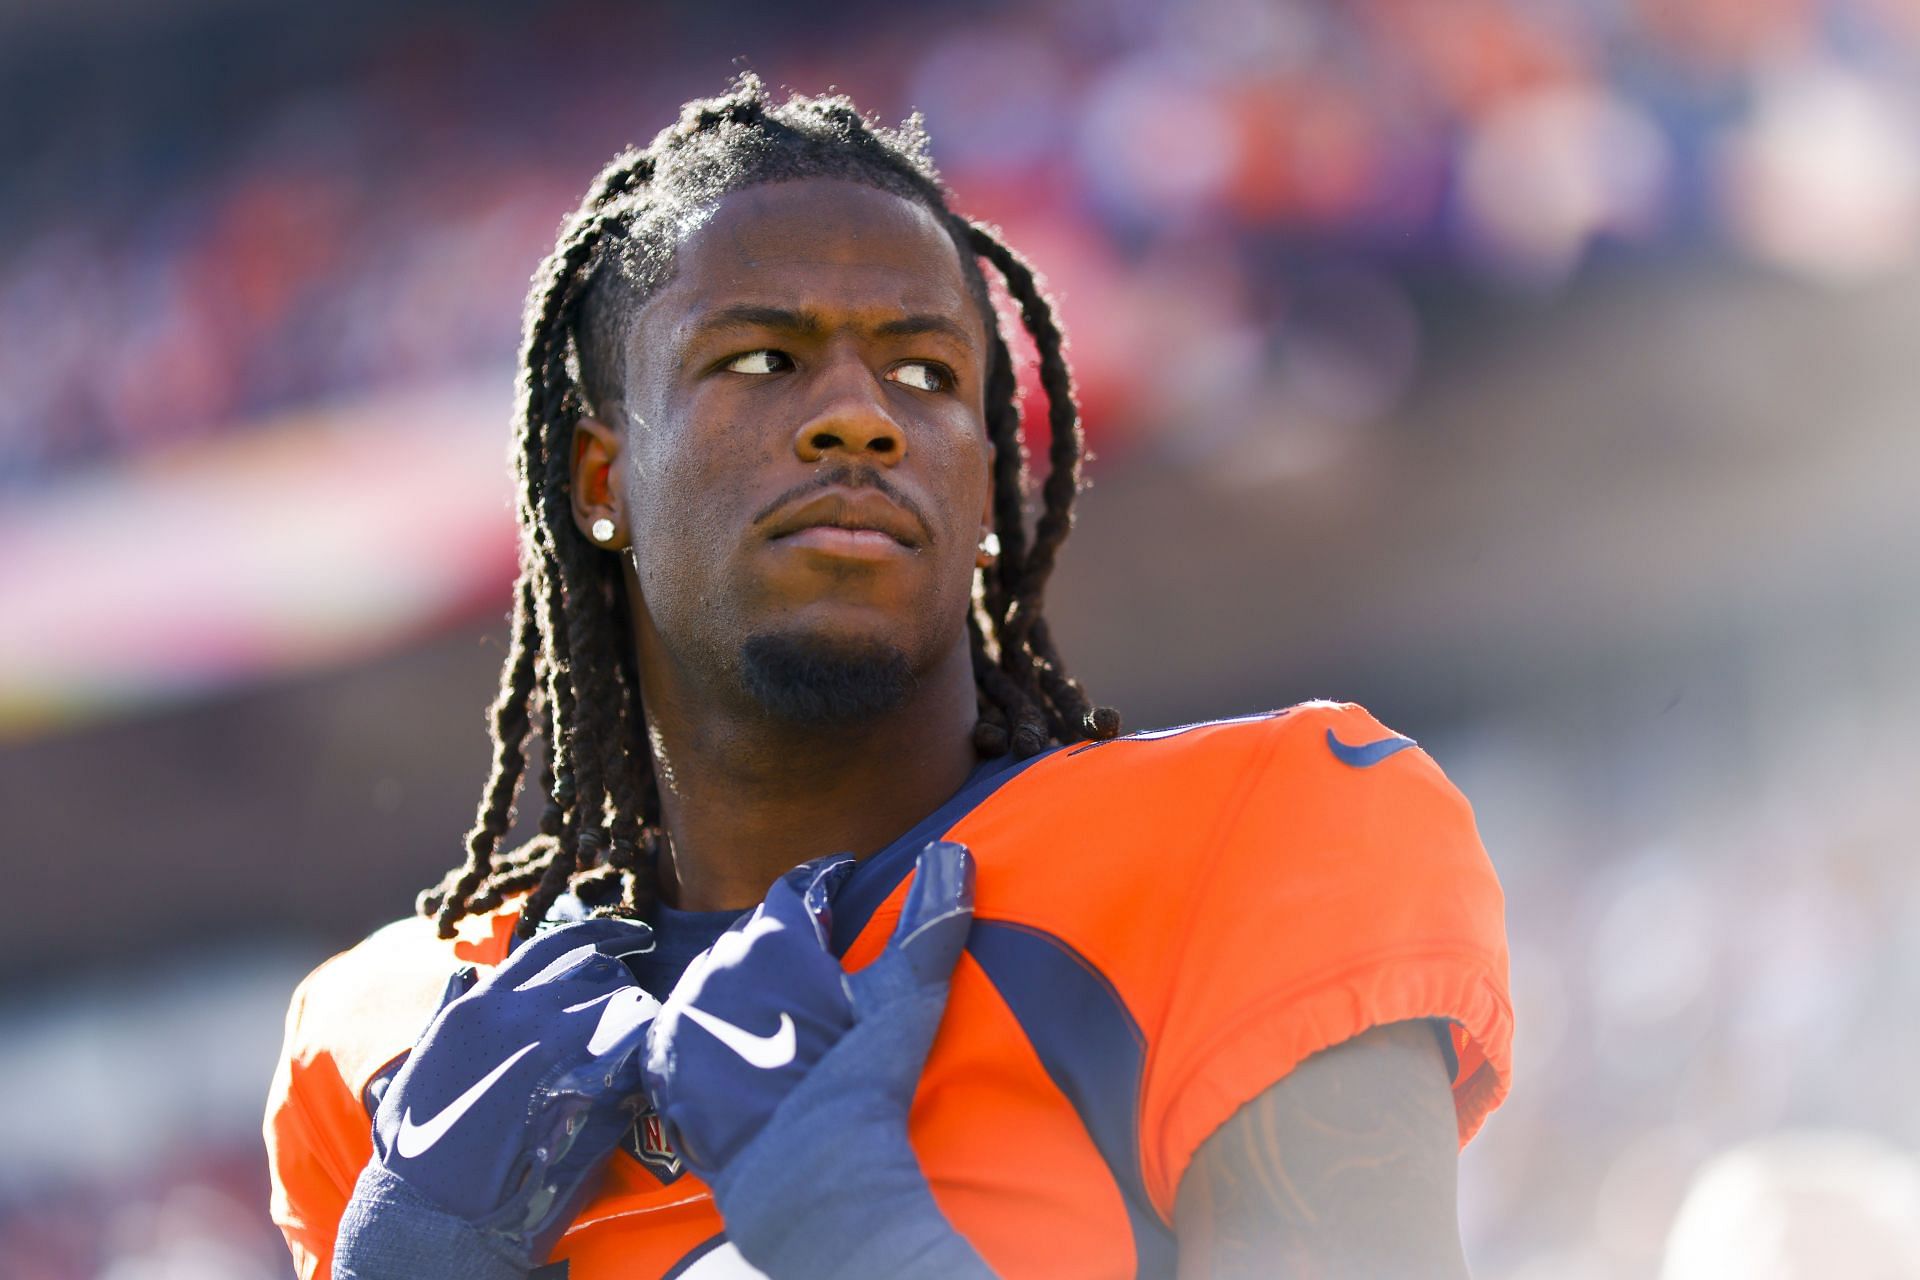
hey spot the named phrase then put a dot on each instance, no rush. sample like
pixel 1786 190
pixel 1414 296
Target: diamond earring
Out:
pixel 603 530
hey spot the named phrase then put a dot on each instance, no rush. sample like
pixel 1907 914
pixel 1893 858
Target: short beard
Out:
pixel 817 683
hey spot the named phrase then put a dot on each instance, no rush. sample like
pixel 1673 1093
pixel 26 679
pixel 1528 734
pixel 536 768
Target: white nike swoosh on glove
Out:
pixel 560 967
pixel 627 1008
pixel 765 1052
pixel 416 1138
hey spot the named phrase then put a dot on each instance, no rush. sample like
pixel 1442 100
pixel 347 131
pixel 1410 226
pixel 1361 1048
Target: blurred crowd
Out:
pixel 196 262
pixel 1248 207
pixel 1714 955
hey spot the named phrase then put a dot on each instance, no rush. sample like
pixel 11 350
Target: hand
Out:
pixel 506 1110
pixel 785 1082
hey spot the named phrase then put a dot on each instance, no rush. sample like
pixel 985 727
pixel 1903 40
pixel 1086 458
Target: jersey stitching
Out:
pixel 584 1224
pixel 1333 977
pixel 1255 1012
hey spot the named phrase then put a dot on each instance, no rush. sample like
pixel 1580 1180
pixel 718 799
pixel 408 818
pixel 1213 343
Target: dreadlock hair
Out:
pixel 567 677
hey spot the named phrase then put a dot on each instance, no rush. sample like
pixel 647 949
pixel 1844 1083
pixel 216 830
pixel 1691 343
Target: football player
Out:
pixel 856 940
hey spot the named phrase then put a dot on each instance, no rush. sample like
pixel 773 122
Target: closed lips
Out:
pixel 861 510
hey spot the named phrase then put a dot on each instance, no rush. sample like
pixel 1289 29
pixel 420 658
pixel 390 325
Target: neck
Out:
pixel 745 799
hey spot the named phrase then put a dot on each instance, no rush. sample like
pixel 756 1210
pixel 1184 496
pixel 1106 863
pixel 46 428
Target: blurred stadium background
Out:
pixel 1540 373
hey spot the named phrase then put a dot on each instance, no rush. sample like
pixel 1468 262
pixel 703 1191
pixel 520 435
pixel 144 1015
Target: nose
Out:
pixel 851 418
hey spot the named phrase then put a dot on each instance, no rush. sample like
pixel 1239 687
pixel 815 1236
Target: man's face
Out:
pixel 804 458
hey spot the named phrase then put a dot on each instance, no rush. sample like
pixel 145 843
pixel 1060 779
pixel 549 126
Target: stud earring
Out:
pixel 991 543
pixel 603 530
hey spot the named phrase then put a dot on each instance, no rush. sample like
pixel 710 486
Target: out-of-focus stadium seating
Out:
pixel 1538 374
pixel 372 219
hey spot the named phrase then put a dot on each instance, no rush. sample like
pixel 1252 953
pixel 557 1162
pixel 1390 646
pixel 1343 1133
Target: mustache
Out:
pixel 847 476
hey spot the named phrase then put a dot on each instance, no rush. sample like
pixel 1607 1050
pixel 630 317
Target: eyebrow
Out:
pixel 809 324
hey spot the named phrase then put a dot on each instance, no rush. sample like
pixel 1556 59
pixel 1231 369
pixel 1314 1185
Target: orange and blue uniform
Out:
pixel 1165 925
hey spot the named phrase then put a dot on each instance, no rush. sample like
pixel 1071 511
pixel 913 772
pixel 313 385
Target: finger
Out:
pixel 458 984
pixel 814 884
pixel 759 1005
pixel 779 939
pixel 938 912
pixel 630 945
pixel 619 1039
pixel 932 932
pixel 555 953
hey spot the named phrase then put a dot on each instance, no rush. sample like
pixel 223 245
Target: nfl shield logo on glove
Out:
pixel 647 1143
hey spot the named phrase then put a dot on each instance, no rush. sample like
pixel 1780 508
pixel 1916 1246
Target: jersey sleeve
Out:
pixel 315 1146
pixel 349 1021
pixel 1343 887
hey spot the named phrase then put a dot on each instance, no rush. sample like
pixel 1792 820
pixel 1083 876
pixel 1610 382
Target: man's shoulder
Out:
pixel 1108 829
pixel 365 1006
pixel 1216 902
pixel 1185 773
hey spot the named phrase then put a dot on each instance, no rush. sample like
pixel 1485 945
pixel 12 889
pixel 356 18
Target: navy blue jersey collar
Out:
pixel 876 877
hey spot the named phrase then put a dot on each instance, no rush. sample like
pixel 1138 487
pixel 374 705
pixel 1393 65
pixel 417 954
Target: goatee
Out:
pixel 814 681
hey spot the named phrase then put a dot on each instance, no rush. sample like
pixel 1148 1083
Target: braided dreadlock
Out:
pixel 567 677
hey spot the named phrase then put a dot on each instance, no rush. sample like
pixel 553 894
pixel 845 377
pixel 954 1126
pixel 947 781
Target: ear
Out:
pixel 596 482
pixel 985 551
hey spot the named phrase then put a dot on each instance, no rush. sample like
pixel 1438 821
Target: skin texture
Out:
pixel 1344 1169
pixel 731 412
pixel 875 375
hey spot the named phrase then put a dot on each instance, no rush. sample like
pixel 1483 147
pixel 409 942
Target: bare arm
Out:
pixel 1344 1169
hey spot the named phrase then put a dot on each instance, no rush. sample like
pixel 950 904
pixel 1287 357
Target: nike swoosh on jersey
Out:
pixel 764 1052
pixel 1367 754
pixel 416 1138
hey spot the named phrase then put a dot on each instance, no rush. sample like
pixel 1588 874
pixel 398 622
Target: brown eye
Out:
pixel 922 375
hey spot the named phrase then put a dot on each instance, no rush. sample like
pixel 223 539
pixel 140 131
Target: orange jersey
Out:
pixel 1166 924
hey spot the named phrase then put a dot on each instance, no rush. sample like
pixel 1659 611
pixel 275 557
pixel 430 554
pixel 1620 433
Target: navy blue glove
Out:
pixel 785 1082
pixel 492 1136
